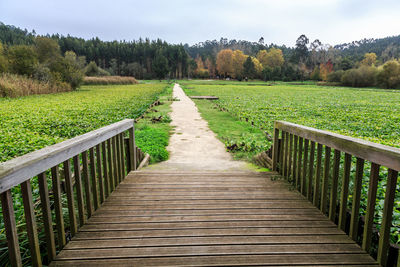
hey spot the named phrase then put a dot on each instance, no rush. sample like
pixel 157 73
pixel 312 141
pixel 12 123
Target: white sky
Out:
pixel 192 21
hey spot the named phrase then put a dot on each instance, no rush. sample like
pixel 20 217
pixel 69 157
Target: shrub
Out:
pixel 109 80
pixel 42 73
pixel 12 85
pixel 389 75
pixel 93 70
pixel 362 77
pixel 336 76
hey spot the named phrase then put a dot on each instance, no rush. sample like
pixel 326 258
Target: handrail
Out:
pixel 100 161
pixel 380 154
pixel 18 170
pixel 302 155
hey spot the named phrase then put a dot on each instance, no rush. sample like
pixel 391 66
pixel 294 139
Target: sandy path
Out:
pixel 193 146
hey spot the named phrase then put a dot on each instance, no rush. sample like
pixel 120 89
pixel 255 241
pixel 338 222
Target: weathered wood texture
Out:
pixel 186 218
pixel 333 190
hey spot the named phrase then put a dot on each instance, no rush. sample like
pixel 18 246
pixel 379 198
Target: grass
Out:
pixel 109 80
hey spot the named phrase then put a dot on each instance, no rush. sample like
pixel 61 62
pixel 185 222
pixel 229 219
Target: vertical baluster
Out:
pixel 55 176
pixel 127 155
pixel 281 152
pixel 325 182
pixel 100 172
pixel 110 164
pixel 106 179
pixel 356 199
pixel 114 160
pixel 79 191
pixel 117 155
pixel 46 214
pixel 317 176
pixel 290 176
pixel 31 228
pixel 294 169
pixel 383 247
pixel 88 194
pixel 11 228
pixel 370 211
pixel 344 192
pixel 286 156
pixel 94 178
pixel 335 178
pixel 70 197
pixel 122 145
pixel 305 163
pixel 311 171
pixel 299 163
pixel 132 150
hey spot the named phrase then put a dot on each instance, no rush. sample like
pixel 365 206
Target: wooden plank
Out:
pixel 383 247
pixel 281 152
pixel 118 157
pixel 286 156
pixel 206 232
pixel 373 152
pixel 231 260
pixel 132 150
pixel 299 164
pixel 70 197
pixel 79 191
pixel 107 185
pixel 344 192
pixel 93 179
pixel 325 181
pixel 356 199
pixel 207 97
pixel 31 227
pixel 114 162
pixel 218 250
pixel 334 185
pixel 110 166
pixel 18 170
pixel 100 173
pixel 10 228
pixel 316 196
pixel 58 206
pixel 311 171
pixel 305 165
pixel 201 241
pixel 370 211
pixel 123 158
pixel 88 187
pixel 46 215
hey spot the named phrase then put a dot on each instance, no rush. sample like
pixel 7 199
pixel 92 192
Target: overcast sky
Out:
pixel 192 21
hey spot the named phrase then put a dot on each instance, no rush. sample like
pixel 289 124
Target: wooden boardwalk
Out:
pixel 230 219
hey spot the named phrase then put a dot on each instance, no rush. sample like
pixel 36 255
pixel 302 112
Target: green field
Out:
pixel 31 123
pixel 371 114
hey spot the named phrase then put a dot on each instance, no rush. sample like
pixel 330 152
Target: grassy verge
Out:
pixel 153 130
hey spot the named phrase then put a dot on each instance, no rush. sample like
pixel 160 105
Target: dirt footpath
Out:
pixel 193 146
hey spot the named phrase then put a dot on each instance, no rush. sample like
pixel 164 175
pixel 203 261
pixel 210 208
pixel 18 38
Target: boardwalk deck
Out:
pixel 241 218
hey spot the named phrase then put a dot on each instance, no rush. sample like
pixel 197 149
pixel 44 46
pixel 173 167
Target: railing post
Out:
pixel 132 150
pixel 11 228
pixel 275 149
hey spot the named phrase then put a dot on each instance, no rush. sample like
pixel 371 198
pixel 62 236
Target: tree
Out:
pixel 3 60
pixel 160 65
pixel 237 63
pixel 301 51
pixel 257 67
pixel 22 59
pixel 389 75
pixel 249 70
pixel 47 49
pixel 273 58
pixel 225 62
pixel 369 59
pixel 210 67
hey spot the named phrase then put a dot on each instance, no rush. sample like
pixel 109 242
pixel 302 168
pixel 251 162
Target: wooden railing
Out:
pixel 100 161
pixel 303 156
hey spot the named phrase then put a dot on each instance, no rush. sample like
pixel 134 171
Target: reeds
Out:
pixel 106 80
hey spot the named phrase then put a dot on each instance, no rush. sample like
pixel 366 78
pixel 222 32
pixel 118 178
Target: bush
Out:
pixel 12 85
pixel 389 75
pixel 336 76
pixel 42 73
pixel 109 80
pixel 93 70
pixel 362 77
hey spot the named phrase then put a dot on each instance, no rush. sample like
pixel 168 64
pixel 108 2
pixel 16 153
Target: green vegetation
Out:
pixel 372 114
pixel 108 80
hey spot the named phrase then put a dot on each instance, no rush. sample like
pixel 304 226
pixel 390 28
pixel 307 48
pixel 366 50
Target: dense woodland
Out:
pixel 369 62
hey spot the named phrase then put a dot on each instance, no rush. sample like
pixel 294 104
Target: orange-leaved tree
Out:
pixel 225 62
